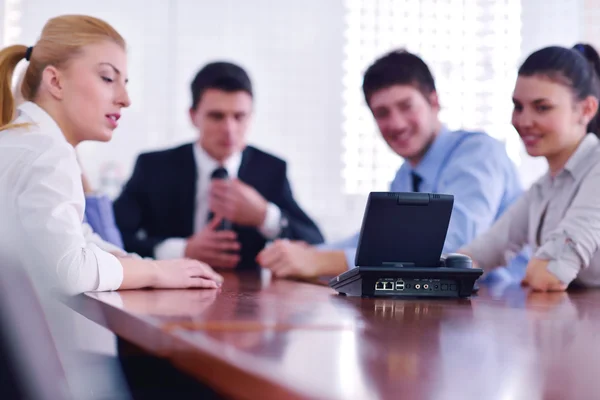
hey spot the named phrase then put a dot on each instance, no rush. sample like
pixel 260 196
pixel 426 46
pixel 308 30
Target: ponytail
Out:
pixel 591 55
pixel 9 58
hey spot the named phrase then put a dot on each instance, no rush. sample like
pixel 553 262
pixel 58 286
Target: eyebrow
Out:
pixel 404 101
pixel 536 101
pixel 114 68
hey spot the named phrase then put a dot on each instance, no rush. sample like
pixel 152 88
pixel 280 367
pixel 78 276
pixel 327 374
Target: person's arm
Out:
pixel 168 274
pixel 329 263
pixel 347 245
pixel 99 214
pixel 50 206
pixel 129 216
pixel 476 175
pixel 173 273
pixel 293 260
pixel 289 259
pixel 507 235
pixel 93 237
pixel 572 244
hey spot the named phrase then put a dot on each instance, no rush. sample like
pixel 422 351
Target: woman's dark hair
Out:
pixel 578 68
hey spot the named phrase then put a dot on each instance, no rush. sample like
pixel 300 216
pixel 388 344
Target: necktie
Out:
pixel 218 173
pixel 416 181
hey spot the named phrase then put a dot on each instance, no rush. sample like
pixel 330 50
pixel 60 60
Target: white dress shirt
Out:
pixel 205 164
pixel 42 207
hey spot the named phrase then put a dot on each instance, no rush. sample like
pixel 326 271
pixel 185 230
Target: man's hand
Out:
pixel 540 279
pixel 219 249
pixel 237 202
pixel 290 259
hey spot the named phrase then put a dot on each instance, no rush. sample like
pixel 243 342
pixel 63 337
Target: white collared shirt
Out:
pixel 42 207
pixel 205 165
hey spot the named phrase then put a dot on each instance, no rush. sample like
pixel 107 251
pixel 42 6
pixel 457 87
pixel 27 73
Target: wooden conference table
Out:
pixel 281 339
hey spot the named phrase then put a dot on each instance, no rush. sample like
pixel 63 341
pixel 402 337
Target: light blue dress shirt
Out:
pixel 99 215
pixel 475 168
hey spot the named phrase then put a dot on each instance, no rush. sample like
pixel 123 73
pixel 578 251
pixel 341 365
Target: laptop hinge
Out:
pixel 397 264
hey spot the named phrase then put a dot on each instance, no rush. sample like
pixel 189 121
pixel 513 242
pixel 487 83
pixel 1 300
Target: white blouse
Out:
pixel 41 210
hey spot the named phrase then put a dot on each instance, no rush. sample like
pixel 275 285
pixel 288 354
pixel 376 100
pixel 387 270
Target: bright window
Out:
pixel 473 50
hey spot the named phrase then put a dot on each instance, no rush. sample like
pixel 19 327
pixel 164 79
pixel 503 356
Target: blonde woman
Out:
pixel 74 90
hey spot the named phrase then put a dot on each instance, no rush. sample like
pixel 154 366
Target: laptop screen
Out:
pixel 404 228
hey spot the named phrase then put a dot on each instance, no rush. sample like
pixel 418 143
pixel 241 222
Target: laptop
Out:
pixel 400 247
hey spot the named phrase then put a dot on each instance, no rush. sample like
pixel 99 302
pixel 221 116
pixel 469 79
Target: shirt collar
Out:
pixel 206 164
pixel 431 163
pixel 38 116
pixel 576 164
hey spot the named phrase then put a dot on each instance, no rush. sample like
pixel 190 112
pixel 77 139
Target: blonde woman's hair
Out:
pixel 16 92
pixel 61 40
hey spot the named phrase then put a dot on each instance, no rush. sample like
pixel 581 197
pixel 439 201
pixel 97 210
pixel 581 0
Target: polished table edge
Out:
pixel 170 342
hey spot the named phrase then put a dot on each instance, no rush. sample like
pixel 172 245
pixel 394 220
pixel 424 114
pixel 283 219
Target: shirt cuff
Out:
pixel 110 270
pixel 170 249
pixel 564 273
pixel 564 260
pixel 271 227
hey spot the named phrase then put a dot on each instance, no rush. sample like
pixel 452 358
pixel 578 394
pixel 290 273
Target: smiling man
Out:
pixel 217 200
pixel 400 92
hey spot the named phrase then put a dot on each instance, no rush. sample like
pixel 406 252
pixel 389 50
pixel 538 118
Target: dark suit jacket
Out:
pixel 158 201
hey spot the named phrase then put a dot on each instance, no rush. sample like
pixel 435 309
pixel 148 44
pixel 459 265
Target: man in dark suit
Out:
pixel 216 200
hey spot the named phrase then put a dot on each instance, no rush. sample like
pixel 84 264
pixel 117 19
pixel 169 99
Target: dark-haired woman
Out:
pixel 555 113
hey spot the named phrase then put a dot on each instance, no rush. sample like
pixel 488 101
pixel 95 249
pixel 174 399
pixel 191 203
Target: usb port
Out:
pixel 399 285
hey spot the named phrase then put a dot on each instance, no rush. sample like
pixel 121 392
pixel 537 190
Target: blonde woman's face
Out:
pixel 94 92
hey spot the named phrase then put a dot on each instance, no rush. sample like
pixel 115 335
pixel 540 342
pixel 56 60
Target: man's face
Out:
pixel 407 119
pixel 222 118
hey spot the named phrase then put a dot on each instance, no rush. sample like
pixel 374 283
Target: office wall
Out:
pixel 293 51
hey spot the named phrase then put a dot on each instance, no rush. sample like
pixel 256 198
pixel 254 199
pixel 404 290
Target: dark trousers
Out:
pixel 150 377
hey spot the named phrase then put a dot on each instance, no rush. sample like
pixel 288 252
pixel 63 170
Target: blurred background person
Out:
pixel 400 91
pixel 218 199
